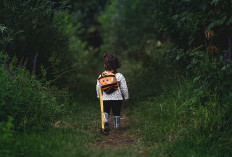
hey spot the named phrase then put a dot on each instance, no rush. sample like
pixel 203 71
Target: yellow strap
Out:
pixel 101 103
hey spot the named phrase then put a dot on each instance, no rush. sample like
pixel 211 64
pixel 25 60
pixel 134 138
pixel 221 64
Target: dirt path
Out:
pixel 117 137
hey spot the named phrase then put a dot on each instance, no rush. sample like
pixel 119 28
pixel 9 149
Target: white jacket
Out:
pixel 120 93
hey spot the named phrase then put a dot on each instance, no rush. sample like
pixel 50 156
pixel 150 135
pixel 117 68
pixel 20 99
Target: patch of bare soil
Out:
pixel 117 137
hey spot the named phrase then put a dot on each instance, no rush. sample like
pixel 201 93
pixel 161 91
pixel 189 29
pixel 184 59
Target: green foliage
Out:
pixel 58 33
pixel 210 104
pixel 47 30
pixel 6 37
pixel 179 112
pixel 187 20
pixel 85 14
pixel 126 25
pixel 30 102
pixel 211 72
pixel 6 138
pixel 189 115
pixel 32 28
pixel 67 137
pixel 179 118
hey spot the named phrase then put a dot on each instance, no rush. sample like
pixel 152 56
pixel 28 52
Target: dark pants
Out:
pixel 114 104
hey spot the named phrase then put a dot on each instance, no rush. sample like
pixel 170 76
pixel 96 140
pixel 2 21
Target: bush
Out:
pixel 188 105
pixel 6 138
pixel 30 102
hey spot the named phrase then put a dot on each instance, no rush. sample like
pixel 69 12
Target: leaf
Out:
pixel 214 2
pixel 223 68
pixel 2 28
pixel 217 23
pixel 196 79
pixel 177 57
pixel 175 17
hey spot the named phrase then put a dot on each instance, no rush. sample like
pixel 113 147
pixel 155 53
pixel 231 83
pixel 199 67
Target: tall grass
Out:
pixel 174 116
pixel 26 104
pixel 170 116
pixel 30 102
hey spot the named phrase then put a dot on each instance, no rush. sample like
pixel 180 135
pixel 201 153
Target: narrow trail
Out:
pixel 117 137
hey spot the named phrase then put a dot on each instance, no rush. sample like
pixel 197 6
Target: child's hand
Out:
pixel 126 101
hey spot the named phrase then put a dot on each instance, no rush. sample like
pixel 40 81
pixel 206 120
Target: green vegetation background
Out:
pixel 176 57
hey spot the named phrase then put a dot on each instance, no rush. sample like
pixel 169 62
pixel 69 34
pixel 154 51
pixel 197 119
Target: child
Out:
pixel 114 98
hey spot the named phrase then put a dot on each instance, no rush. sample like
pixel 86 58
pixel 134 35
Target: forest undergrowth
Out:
pixel 176 57
pixel 158 120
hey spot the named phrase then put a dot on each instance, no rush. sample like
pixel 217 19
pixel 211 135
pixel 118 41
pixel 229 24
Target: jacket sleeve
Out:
pixel 123 87
pixel 97 89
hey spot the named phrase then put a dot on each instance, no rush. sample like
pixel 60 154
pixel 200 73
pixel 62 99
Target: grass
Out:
pixel 70 137
pixel 158 106
pixel 164 119
pixel 75 136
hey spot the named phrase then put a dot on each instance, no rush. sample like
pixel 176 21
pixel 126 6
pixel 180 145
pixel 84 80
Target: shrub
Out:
pixel 30 102
pixel 206 113
pixel 6 138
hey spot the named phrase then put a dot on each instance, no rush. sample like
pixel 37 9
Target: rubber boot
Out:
pixel 116 122
pixel 106 124
pixel 106 121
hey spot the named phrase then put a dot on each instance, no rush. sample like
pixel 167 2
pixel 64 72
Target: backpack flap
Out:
pixel 108 82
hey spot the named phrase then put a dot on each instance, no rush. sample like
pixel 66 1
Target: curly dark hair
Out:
pixel 111 62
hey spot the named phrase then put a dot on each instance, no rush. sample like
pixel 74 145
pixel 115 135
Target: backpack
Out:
pixel 108 82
